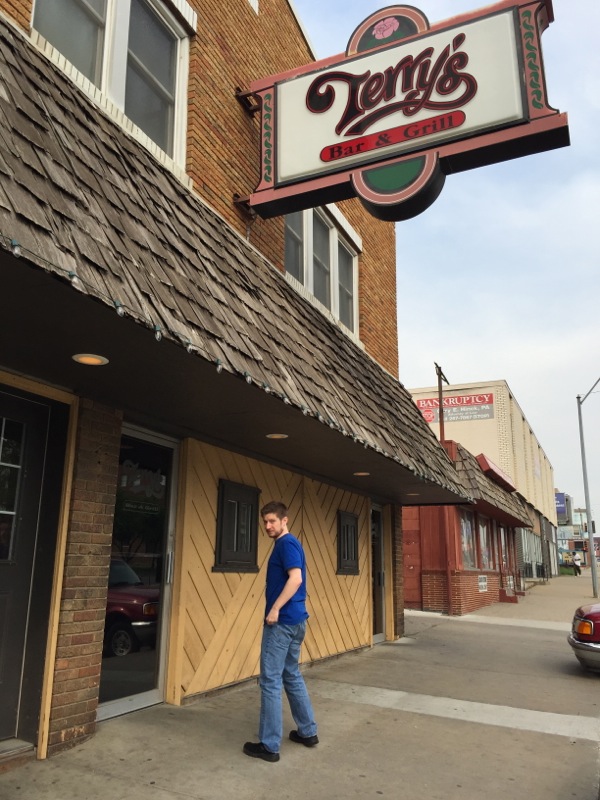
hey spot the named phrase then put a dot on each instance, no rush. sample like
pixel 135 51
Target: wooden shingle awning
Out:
pixel 204 336
pixel 493 495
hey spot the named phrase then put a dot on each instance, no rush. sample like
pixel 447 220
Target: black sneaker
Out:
pixel 258 750
pixel 307 741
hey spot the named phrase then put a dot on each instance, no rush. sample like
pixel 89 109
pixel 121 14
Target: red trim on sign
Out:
pixel 398 135
pixel 363 190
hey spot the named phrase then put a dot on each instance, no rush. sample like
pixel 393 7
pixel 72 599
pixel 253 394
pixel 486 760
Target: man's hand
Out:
pixel 272 617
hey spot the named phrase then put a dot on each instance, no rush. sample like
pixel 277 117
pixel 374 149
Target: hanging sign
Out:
pixel 407 103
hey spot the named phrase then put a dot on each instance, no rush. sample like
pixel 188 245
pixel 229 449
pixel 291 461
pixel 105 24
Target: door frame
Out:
pixel 135 702
pixel 71 402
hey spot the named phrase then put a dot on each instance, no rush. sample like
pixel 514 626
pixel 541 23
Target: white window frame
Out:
pixel 110 93
pixel 340 232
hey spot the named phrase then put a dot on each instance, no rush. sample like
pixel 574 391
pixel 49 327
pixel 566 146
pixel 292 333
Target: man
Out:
pixel 283 633
pixel 576 563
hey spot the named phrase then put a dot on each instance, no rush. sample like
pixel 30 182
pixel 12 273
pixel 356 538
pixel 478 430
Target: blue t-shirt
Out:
pixel 287 554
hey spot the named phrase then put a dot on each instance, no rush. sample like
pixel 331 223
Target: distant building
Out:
pixel 564 508
pixel 572 531
pixel 458 559
pixel 486 419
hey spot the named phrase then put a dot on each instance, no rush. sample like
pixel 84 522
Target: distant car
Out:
pixel 585 636
pixel 131 611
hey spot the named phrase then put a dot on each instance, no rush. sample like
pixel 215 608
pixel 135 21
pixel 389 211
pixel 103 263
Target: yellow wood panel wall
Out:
pixel 219 615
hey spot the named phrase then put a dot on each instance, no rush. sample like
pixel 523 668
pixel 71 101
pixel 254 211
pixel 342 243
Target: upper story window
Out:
pixel 321 253
pixel 134 52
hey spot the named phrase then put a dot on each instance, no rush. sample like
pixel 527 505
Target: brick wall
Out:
pixel 81 624
pixel 19 11
pixel 397 571
pixel 466 596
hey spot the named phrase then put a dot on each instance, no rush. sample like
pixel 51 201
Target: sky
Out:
pixel 500 277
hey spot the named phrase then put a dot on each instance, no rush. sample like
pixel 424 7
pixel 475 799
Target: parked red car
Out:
pixel 585 636
pixel 131 611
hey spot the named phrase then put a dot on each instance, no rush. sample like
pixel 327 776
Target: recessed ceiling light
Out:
pixel 90 359
pixel 361 474
pixel 413 494
pixel 277 436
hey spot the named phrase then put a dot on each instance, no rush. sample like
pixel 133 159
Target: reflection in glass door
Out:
pixel 138 578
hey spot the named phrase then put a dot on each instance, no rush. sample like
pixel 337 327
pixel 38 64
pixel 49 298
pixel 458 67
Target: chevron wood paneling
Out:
pixel 220 613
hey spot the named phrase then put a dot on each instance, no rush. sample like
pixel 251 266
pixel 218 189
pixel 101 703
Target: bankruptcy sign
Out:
pixel 459 408
pixel 407 103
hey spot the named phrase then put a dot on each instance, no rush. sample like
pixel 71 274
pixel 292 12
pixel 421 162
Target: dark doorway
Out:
pixel 32 448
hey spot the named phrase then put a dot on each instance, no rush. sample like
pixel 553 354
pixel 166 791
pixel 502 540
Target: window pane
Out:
pixel 294 248
pixel 321 266
pixel 150 81
pixel 467 540
pixel 245 528
pixel 11 441
pixel 346 286
pixel 76 29
pixel 152 44
pixel 347 544
pixel 485 544
pixel 230 524
pixel 6 527
pixel 9 480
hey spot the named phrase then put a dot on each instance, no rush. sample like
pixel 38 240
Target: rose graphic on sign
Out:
pixel 385 28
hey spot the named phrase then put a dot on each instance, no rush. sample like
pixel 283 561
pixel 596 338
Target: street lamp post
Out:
pixel 588 508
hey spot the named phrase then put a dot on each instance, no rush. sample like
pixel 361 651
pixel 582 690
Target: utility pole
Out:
pixel 441 377
pixel 588 508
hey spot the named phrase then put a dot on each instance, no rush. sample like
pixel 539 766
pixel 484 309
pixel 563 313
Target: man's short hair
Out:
pixel 274 507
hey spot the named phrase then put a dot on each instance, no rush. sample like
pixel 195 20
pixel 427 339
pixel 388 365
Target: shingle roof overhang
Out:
pixel 82 198
pixel 490 497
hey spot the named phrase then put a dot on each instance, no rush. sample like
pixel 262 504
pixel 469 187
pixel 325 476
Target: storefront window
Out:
pixel 485 544
pixel 467 535
pixel 11 447
pixel 503 547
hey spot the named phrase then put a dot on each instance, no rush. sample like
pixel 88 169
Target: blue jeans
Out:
pixel 279 656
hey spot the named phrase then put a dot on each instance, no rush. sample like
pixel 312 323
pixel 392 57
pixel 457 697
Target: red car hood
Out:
pixel 143 594
pixel 592 610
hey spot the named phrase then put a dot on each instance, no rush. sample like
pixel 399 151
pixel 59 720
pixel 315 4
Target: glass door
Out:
pixel 139 577
pixel 378 576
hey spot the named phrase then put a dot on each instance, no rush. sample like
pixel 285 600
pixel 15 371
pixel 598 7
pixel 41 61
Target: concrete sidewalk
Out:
pixel 552 602
pixel 454 711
